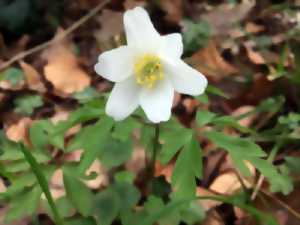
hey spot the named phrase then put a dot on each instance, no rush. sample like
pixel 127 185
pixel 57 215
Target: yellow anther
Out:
pixel 148 70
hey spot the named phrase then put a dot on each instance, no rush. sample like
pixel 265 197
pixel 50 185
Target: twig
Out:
pixel 283 204
pixel 270 159
pixel 64 34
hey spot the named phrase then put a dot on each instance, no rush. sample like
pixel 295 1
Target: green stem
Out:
pixel 36 169
pixel 155 149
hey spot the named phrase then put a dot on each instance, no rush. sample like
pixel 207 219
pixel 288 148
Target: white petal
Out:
pixel 115 65
pixel 157 101
pixel 184 78
pixel 173 45
pixel 123 100
pixel 139 29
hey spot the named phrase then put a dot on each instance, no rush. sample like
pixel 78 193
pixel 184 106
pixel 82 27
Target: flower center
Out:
pixel 148 70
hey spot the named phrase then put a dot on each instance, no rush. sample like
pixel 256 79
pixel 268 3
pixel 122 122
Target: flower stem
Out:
pixel 155 149
pixel 43 183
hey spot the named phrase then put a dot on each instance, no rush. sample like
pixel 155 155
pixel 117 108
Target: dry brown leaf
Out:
pixel 6 85
pixel 247 121
pixel 228 183
pixel 111 25
pixel 62 69
pixel 130 4
pixel 254 28
pixel 209 61
pixel 225 16
pixel 32 77
pixel 213 218
pixel 173 9
pixel 57 185
pixel 102 176
pixel 254 56
pixel 19 131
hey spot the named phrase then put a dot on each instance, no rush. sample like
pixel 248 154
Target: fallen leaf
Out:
pixel 228 182
pixel 130 4
pixel 62 69
pixel 102 176
pixel 254 56
pixel 111 25
pixel 247 121
pixel 254 28
pixel 174 10
pixel 209 62
pixel 223 17
pixel 32 77
pixel 19 131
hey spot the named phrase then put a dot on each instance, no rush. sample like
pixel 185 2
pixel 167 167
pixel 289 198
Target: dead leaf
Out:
pixel 19 131
pixel 111 25
pixel 254 28
pixel 130 4
pixel 102 176
pixel 254 56
pixel 223 17
pixel 228 182
pixel 247 121
pixel 62 69
pixel 209 62
pixel 173 9
pixel 32 77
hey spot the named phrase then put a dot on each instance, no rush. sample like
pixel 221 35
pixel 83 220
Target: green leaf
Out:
pixel 187 167
pixel 204 117
pixel 230 121
pixel 26 104
pixel 279 182
pixel 172 145
pixel 81 221
pixel 193 213
pixel 293 163
pixel 24 205
pixel 107 206
pixel 79 194
pixel 128 194
pixel 123 129
pixel 240 149
pixel 92 139
pixel 216 91
pixel 235 145
pixel 12 75
pixel 38 135
pixel 203 98
pixel 124 176
pixel 155 205
pixel 42 180
pixel 115 152
pixel 195 35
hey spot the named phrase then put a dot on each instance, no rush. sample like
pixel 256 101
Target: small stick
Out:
pixel 64 34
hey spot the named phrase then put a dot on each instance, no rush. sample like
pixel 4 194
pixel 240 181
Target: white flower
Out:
pixel 147 70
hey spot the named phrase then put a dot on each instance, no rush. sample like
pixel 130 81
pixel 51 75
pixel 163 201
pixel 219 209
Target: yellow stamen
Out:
pixel 148 70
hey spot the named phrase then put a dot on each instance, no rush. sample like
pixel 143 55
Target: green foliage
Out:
pixel 13 75
pixel 26 104
pixel 195 35
pixel 24 204
pixel 116 200
pixel 171 146
pixel 79 194
pixel 188 167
